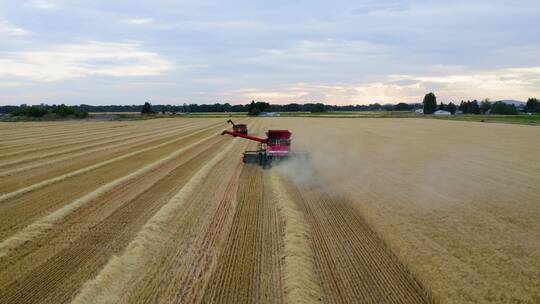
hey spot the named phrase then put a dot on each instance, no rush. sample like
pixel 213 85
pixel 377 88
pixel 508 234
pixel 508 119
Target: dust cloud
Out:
pixel 330 163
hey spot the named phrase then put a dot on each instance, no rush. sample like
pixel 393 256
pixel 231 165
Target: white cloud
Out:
pixel 44 5
pixel 323 51
pixel 140 21
pixel 68 61
pixel 495 84
pixel 8 29
pixel 290 94
pixel 11 84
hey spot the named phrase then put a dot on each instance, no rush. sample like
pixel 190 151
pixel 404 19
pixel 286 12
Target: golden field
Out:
pixel 163 210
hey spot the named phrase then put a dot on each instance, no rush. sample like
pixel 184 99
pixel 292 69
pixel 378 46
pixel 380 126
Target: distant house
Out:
pixel 442 113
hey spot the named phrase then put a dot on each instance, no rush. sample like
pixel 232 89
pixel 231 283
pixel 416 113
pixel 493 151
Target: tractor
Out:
pixel 239 128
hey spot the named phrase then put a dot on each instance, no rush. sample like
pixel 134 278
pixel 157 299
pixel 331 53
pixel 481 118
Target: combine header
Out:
pixel 276 146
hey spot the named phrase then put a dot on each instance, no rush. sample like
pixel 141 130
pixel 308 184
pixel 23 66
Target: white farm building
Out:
pixel 442 113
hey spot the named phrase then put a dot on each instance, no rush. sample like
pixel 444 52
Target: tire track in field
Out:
pixel 96 244
pixel 44 224
pixel 112 281
pixel 57 179
pixel 95 141
pixel 355 265
pixel 89 149
pixel 248 268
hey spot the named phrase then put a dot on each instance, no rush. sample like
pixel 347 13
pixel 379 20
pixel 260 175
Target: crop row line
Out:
pixel 93 246
pixel 56 179
pixel 60 134
pixel 106 286
pixel 100 147
pixel 38 227
pixel 89 138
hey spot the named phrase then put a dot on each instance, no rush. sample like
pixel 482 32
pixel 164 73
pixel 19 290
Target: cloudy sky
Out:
pixel 340 52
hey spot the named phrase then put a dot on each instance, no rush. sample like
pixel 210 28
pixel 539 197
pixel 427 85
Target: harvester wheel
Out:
pixel 251 157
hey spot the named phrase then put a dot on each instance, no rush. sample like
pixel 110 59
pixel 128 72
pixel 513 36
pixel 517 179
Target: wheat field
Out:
pixel 164 211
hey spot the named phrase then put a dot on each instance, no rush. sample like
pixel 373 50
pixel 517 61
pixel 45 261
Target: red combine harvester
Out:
pixel 239 128
pixel 276 146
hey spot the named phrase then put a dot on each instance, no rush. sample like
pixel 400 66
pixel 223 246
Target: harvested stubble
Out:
pixel 42 225
pixel 178 218
pixel 302 283
pixel 110 284
pixel 53 189
pixel 98 144
pixel 108 225
pixel 457 202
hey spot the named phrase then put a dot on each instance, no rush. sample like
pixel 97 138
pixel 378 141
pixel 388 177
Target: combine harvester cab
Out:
pixel 275 147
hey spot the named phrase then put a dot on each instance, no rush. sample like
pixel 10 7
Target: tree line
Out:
pixel 61 110
pixel 254 107
pixel 429 105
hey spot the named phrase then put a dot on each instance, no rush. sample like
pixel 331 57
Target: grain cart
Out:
pixel 239 128
pixel 276 146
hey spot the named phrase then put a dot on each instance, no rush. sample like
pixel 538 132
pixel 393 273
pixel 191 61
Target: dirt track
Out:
pixel 164 211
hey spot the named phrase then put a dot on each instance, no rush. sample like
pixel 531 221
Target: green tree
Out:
pixel 318 108
pixel 32 111
pixel 430 103
pixel 473 107
pixel 292 107
pixel 451 107
pixel 64 111
pixel 147 108
pixel 441 107
pixel 502 108
pixel 81 114
pixel 402 107
pixel 532 106
pixel 375 107
pixel 252 109
pixel 255 108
